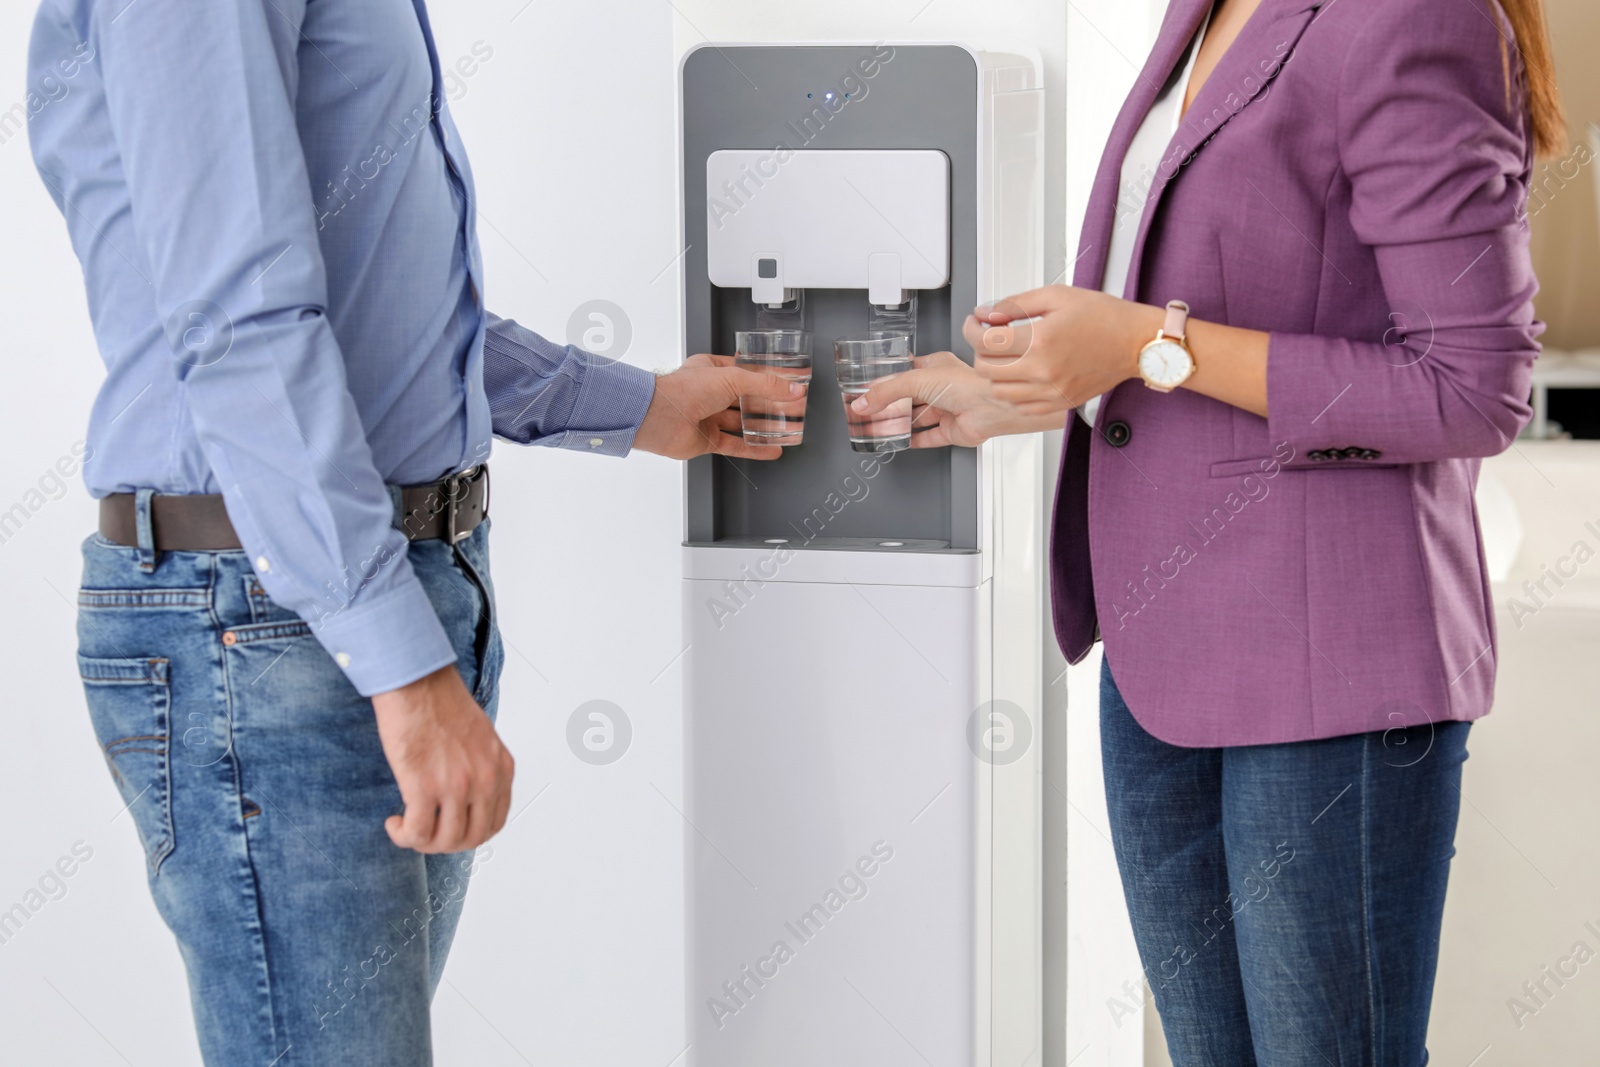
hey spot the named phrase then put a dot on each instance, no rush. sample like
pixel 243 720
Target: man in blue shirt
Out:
pixel 282 644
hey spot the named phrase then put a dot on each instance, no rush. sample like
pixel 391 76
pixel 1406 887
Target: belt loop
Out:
pixel 397 498
pixel 146 530
pixel 452 488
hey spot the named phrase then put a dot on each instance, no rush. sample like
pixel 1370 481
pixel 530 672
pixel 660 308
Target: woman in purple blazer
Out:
pixel 1270 523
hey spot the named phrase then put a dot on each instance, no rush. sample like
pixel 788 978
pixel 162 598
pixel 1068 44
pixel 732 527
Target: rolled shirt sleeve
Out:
pixel 1434 146
pixel 560 396
pixel 201 99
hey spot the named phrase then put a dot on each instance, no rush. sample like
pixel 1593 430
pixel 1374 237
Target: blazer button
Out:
pixel 1370 453
pixel 1355 453
pixel 1316 457
pixel 1118 434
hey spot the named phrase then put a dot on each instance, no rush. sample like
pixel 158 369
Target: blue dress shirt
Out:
pixel 276 222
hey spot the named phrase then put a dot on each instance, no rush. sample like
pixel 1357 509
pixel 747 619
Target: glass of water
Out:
pixel 860 360
pixel 787 354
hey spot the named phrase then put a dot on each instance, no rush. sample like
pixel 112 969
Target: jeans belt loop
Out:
pixel 451 485
pixel 148 557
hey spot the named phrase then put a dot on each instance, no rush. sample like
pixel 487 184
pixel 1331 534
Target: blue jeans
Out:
pixel 254 775
pixel 1286 899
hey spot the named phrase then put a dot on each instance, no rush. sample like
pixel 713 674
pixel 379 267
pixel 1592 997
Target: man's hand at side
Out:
pixel 453 772
pixel 695 409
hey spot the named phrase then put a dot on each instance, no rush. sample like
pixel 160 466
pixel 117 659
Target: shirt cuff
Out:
pixel 612 394
pixel 387 642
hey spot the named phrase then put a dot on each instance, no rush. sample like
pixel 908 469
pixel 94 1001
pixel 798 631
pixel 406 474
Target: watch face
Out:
pixel 1165 363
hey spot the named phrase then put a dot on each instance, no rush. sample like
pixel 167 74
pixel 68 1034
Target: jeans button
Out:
pixel 1117 434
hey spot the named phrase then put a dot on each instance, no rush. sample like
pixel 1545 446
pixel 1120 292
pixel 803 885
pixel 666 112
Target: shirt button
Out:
pixel 1118 434
pixel 596 442
pixel 342 658
pixel 262 565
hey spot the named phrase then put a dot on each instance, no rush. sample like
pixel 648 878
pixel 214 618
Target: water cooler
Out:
pixel 863 676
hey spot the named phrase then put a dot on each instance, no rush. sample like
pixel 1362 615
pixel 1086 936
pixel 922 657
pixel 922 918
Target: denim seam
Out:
pixel 485 615
pixel 145 670
pixel 216 624
pixel 93 598
pixel 1366 902
pixel 258 934
pixel 270 631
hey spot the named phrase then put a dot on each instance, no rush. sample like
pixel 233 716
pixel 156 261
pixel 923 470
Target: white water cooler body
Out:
pixel 863 678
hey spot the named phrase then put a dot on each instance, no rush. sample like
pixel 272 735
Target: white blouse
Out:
pixel 1139 168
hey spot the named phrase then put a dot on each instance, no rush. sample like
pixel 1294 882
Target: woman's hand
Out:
pixel 1049 350
pixel 952 404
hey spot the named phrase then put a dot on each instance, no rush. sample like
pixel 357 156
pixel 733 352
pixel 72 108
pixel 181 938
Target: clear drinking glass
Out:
pixel 787 354
pixel 860 360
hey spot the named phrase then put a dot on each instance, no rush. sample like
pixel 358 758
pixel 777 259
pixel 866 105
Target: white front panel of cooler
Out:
pixel 832 793
pixel 828 219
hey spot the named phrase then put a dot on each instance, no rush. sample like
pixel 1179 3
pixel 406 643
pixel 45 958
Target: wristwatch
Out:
pixel 1166 362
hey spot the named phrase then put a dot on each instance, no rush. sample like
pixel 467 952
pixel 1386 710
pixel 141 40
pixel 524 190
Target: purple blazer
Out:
pixel 1351 180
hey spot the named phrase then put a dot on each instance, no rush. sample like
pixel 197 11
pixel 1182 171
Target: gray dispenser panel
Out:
pixel 756 97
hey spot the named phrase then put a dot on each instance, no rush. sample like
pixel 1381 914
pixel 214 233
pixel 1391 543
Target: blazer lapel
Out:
pixel 1182 22
pixel 1240 79
pixel 1180 27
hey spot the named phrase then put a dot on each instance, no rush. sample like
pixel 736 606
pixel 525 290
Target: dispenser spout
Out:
pixel 896 318
pixel 884 284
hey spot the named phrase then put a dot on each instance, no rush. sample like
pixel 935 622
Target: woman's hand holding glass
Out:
pixel 1038 355
pixel 1050 350
pixel 952 404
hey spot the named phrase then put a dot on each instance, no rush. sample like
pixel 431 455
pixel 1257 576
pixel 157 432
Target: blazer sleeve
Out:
pixel 1434 143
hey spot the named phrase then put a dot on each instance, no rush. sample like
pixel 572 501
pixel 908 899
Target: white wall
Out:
pixel 570 952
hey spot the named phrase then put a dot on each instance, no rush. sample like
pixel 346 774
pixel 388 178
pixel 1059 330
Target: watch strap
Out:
pixel 1177 320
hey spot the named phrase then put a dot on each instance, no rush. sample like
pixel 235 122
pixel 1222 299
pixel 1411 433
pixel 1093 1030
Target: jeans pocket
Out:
pixel 129 703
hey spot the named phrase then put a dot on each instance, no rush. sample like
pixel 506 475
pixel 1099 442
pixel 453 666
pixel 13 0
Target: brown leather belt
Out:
pixel 446 510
